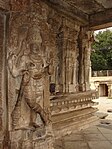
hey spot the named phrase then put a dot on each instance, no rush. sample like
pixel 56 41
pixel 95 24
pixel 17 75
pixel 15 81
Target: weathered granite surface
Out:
pixel 43 48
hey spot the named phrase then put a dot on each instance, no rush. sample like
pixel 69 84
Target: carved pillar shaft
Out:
pixel 87 61
pixel 81 62
pixel 60 46
pixel 85 41
pixel 109 90
pixel 66 60
pixel 70 52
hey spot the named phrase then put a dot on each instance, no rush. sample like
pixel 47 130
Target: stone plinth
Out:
pixel 30 139
pixel 72 112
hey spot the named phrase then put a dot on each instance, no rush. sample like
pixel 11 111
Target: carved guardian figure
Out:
pixel 32 67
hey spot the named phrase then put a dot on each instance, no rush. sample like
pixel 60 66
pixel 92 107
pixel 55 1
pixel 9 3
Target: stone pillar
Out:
pixel 65 33
pixel 56 39
pixel 66 58
pixel 87 61
pixel 81 61
pixel 70 54
pixel 85 41
pixel 109 90
pixel 59 59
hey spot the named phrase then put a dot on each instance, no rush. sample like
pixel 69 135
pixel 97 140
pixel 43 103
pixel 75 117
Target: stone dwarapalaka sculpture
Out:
pixel 33 67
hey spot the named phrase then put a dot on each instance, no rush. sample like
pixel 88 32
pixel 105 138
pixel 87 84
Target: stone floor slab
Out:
pixel 76 145
pixel 105 130
pixel 74 137
pixel 100 145
pixel 91 130
pixel 94 137
pixel 108 136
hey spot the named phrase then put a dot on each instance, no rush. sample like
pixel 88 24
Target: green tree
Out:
pixel 101 57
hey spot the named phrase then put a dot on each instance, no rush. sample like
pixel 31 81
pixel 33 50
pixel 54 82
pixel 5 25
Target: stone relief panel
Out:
pixel 30 60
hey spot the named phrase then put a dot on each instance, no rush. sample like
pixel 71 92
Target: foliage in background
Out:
pixel 101 56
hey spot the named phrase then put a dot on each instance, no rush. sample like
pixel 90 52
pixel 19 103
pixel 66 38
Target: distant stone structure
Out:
pixel 101 81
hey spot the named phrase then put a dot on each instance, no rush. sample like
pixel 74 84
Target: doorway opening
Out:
pixel 103 90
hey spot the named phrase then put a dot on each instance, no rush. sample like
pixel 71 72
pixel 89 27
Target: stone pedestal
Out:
pixel 30 139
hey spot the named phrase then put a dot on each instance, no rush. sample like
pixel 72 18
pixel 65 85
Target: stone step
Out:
pixel 73 121
pixel 72 114
pixel 69 127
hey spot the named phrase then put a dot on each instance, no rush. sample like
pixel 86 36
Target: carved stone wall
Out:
pixel 65 33
pixel 57 37
pixel 62 60
pixel 63 41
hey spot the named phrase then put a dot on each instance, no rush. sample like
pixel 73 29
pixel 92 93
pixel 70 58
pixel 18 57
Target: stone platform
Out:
pixel 72 112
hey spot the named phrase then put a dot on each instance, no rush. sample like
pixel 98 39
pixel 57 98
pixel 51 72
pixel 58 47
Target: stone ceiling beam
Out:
pixel 101 20
pixel 69 10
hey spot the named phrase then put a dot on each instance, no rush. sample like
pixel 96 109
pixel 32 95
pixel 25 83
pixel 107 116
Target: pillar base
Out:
pixel 82 87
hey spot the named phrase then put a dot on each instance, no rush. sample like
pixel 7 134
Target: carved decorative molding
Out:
pixel 72 102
